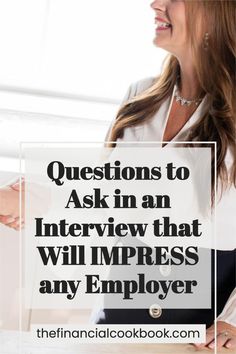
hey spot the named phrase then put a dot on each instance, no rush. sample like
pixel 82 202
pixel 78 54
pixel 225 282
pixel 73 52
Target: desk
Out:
pixel 145 349
pixel 9 342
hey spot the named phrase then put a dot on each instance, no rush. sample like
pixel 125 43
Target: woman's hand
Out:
pixel 9 206
pixel 9 202
pixel 9 221
pixel 16 186
pixel 226 336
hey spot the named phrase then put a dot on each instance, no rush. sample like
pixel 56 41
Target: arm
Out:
pixel 229 312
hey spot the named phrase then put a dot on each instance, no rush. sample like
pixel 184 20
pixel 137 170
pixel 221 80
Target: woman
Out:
pixel 194 99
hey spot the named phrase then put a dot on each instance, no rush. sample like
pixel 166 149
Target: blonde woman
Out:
pixel 194 99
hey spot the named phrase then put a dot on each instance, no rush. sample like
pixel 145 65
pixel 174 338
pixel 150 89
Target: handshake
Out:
pixel 10 205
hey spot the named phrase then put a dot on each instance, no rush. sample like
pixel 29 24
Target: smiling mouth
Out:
pixel 162 25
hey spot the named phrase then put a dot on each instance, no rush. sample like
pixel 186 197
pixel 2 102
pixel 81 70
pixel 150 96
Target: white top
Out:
pixel 153 130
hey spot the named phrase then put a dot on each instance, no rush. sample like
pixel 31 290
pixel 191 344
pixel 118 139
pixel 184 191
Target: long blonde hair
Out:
pixel 216 71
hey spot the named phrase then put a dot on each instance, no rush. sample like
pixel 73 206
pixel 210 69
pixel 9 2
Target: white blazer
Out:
pixel 153 130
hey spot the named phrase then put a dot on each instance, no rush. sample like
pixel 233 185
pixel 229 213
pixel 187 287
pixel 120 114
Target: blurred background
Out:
pixel 65 66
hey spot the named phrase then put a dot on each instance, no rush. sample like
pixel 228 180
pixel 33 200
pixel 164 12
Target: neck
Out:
pixel 189 86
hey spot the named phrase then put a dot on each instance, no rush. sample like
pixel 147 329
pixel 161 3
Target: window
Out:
pixel 66 64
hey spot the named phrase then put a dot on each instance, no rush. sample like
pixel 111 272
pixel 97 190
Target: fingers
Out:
pixel 18 224
pixel 11 222
pixel 223 339
pixel 16 186
pixel 15 224
pixel 219 342
pixel 210 335
pixel 6 219
pixel 231 343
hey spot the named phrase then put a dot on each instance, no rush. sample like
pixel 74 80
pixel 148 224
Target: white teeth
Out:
pixel 163 24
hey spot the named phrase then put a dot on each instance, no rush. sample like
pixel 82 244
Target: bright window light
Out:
pixel 94 48
pixel 65 66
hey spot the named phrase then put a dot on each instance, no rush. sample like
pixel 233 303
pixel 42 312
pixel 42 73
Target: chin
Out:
pixel 160 43
pixel 165 45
